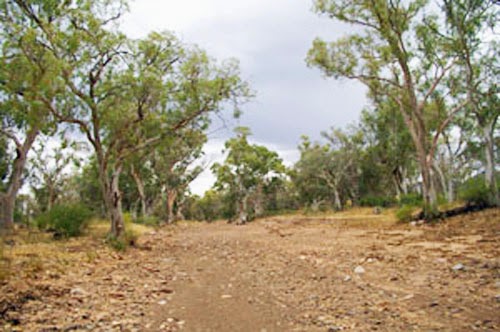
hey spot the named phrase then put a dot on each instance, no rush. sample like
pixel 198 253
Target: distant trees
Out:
pixel 247 172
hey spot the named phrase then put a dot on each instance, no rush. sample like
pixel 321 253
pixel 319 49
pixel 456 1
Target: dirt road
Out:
pixel 281 274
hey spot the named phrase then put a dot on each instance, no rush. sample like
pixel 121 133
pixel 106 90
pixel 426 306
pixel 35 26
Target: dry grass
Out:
pixel 28 252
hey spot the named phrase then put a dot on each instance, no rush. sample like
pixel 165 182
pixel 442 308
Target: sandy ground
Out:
pixel 343 273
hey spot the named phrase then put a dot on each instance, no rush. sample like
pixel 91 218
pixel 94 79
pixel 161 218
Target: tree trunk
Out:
pixel 112 196
pixel 179 215
pixel 171 197
pixel 51 198
pixel 489 173
pixel 115 203
pixel 444 183
pixel 419 137
pixel 7 203
pixel 140 188
pixel 428 190
pixel 337 203
pixel 8 198
pixel 242 210
pixel 258 202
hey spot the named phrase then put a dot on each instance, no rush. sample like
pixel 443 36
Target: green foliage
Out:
pixel 377 201
pixel 65 220
pixel 475 192
pixel 412 199
pixel 406 213
pixel 247 173
pixel 148 220
pixel 126 239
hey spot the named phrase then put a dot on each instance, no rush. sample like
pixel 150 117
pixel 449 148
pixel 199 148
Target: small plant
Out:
pixel 413 199
pixel 405 213
pixel 127 239
pixel 148 221
pixel 65 220
pixel 475 192
pixel 377 201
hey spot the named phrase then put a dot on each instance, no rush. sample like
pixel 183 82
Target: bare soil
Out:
pixel 347 272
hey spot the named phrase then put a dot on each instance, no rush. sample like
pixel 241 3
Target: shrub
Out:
pixel 148 221
pixel 377 201
pixel 405 213
pixel 412 199
pixel 127 239
pixel 474 192
pixel 65 220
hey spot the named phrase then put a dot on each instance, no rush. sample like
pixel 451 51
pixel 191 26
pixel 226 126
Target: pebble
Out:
pixel 347 278
pixel 162 302
pixel 77 292
pixel 226 296
pixel 359 270
pixel 458 267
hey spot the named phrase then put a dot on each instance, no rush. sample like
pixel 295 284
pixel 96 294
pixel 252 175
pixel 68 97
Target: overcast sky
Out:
pixel 271 40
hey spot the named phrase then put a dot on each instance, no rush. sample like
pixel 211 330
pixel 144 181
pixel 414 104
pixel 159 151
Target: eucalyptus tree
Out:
pixel 473 26
pixel 26 80
pixel 247 168
pixel 395 51
pixel 162 175
pixel 126 95
pixel 315 177
pixel 330 172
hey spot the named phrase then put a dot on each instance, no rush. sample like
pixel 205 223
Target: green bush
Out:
pixel 377 201
pixel 413 199
pixel 65 220
pixel 474 192
pixel 405 213
pixel 147 220
pixel 127 239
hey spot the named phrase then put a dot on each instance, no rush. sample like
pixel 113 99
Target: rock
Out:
pixel 458 267
pixel 347 278
pixel 359 270
pixel 335 328
pixel 162 302
pixel 77 292
pixel 413 223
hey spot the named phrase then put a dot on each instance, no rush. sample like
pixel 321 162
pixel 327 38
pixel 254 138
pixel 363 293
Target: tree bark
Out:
pixel 171 197
pixel 258 202
pixel 489 173
pixel 8 198
pixel 140 188
pixel 114 200
pixel 337 203
pixel 242 210
pixel 111 193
